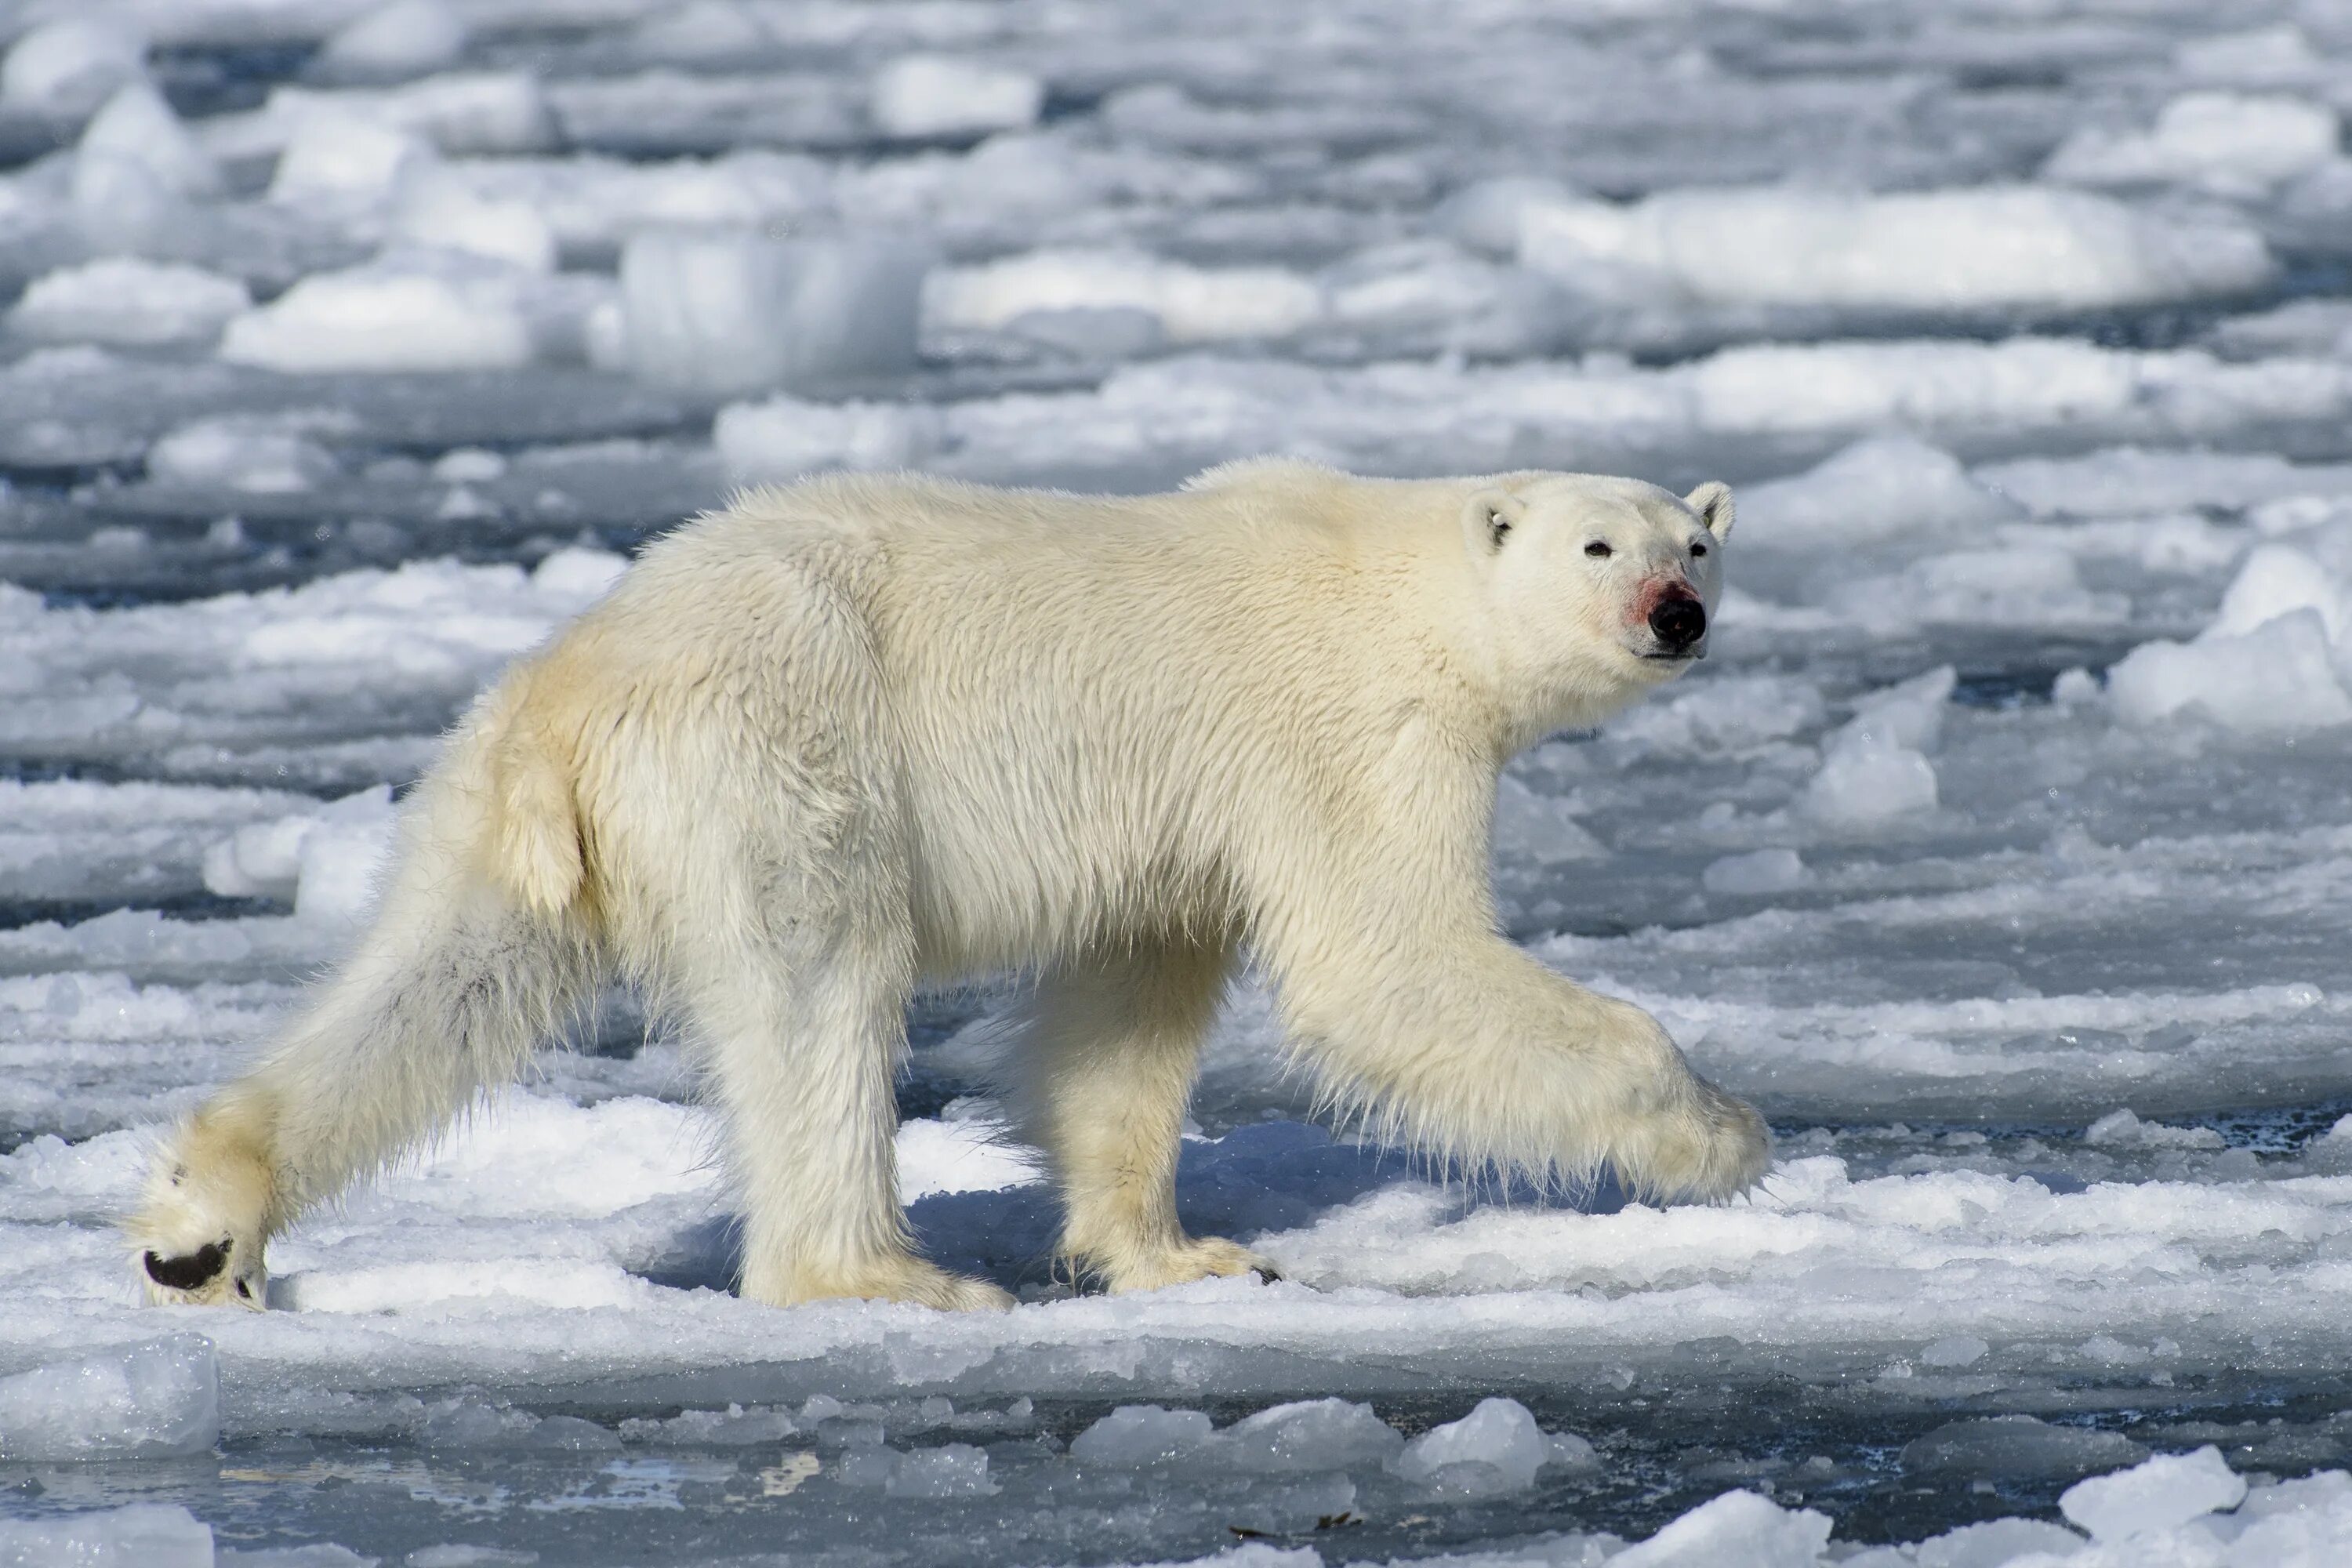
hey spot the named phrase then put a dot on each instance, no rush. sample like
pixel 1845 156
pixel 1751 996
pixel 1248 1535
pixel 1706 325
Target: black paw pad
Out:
pixel 188 1273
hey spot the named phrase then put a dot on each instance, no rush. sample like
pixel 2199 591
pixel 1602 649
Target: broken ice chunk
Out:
pixel 147 1401
pixel 1496 1448
pixel 2160 1494
pixel 728 310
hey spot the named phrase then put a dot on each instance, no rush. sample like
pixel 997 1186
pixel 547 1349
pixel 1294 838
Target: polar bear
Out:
pixel 864 732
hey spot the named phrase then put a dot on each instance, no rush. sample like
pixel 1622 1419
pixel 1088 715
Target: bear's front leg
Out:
pixel 206 1218
pixel 1106 1067
pixel 1678 1135
pixel 1471 1047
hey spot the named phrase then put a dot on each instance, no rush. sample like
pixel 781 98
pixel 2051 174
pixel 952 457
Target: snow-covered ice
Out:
pixel 2000 850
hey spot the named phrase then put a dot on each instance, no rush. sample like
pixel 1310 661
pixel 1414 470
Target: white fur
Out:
pixel 864 732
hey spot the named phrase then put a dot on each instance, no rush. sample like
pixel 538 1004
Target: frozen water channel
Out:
pixel 2002 850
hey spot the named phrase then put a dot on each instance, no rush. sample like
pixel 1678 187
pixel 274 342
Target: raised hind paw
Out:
pixel 1181 1265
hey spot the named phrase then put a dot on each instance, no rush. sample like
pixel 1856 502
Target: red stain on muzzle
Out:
pixel 1657 591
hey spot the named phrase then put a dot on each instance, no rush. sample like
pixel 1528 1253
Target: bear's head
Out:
pixel 1595 588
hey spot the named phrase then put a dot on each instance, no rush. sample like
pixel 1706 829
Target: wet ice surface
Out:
pixel 1999 851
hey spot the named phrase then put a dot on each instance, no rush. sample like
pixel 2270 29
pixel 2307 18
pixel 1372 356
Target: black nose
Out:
pixel 1678 622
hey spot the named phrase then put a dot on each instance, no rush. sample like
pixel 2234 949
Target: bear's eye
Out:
pixel 1598 548
pixel 1697 549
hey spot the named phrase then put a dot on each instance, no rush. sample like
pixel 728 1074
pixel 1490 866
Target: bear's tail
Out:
pixel 484 946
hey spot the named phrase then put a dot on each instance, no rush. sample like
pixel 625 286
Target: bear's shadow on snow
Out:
pixel 1271 1176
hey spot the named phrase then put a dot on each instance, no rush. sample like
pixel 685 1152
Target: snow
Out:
pixel 1998 849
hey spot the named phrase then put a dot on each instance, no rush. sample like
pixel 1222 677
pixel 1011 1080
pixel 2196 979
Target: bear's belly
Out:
pixel 1009 878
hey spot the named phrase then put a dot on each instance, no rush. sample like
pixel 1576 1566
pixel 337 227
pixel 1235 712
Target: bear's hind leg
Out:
pixel 756 882
pixel 802 1047
pixel 1108 1067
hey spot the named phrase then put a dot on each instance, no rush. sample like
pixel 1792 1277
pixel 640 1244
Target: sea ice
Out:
pixel 1881 488
pixel 2015 1448
pixel 419 311
pixel 2158 1495
pixel 1313 1434
pixel 403 38
pixel 2121 1129
pixel 1993 1543
pixel 1874 769
pixel 1738 1529
pixel 2280 52
pixel 435 207
pixel 1191 304
pixel 344 158
pixel 135 126
pixel 128 302
pixel 1540 828
pixel 2082 587
pixel 1135 1435
pixel 950 1470
pixel 455 112
pixel 1496 1448
pixel 68 64
pixel 784 437
pixel 943 95
pixel 142 1535
pixel 728 310
pixel 256 457
pixel 1942 250
pixel 1756 871
pixel 2233 143
pixel 147 1401
pixel 2275 657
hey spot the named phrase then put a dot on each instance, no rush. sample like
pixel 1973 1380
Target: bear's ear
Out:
pixel 1712 501
pixel 1488 519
